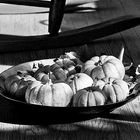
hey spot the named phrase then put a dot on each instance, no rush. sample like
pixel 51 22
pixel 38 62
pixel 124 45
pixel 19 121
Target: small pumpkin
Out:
pixel 11 83
pixel 67 65
pixel 16 84
pixel 53 72
pixel 58 72
pixel 104 66
pixel 115 89
pixel 49 94
pixel 73 56
pixel 79 81
pixel 91 96
pixel 44 74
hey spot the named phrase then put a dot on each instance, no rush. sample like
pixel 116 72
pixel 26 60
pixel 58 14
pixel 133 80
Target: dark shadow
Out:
pixel 88 9
pixel 122 117
pixel 76 9
pixel 44 22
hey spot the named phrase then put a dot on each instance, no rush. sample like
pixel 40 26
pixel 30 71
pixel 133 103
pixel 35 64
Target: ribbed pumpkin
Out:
pixel 91 96
pixel 104 66
pixel 115 89
pixel 16 84
pixel 41 74
pixel 53 72
pixel 79 81
pixel 57 94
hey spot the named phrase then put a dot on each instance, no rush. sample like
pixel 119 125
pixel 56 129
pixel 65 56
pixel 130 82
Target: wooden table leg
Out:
pixel 55 16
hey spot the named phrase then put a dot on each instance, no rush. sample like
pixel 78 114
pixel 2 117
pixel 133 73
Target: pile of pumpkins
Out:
pixel 68 82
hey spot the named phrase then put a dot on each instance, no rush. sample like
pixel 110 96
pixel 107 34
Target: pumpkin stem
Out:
pixel 75 84
pixel 49 82
pixel 100 63
pixel 49 72
pixel 65 66
pixel 121 54
pixel 34 65
pixel 40 65
pixel 55 59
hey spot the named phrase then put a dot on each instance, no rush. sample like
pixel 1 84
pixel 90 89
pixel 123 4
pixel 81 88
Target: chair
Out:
pixel 56 39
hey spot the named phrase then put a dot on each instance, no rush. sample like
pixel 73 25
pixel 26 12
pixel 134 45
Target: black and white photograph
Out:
pixel 69 69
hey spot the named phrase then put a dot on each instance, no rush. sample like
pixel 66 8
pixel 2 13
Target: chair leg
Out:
pixel 55 16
